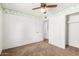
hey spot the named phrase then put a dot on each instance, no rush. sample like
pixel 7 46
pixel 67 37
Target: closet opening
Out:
pixel 72 30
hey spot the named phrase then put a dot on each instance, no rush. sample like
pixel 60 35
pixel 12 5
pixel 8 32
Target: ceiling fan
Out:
pixel 45 5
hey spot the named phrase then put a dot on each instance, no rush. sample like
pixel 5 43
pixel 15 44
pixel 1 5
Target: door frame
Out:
pixel 67 31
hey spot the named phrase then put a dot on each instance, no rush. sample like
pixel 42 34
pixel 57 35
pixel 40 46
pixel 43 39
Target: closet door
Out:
pixel 74 30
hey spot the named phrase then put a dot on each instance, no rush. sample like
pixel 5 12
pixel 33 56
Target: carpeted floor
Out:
pixel 40 49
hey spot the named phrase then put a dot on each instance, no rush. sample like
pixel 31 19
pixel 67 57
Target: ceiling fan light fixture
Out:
pixel 43 10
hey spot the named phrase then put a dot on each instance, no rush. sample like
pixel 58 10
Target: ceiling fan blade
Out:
pixel 50 6
pixel 36 8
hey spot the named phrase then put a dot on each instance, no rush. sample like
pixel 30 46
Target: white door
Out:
pixel 45 29
pixel 74 30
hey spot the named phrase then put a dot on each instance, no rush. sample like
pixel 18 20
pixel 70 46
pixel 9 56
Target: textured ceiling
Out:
pixel 27 7
pixel 62 6
pixel 23 7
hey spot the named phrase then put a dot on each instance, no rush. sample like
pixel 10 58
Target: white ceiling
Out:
pixel 62 6
pixel 27 7
pixel 23 7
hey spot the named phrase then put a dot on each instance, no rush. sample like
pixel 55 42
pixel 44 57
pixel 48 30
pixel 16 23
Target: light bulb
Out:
pixel 43 10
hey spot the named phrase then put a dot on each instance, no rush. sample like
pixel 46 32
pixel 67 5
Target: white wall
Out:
pixel 21 30
pixel 0 29
pixel 57 26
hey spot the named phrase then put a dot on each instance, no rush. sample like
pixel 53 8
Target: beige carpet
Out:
pixel 41 49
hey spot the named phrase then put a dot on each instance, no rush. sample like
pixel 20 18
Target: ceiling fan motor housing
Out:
pixel 43 5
